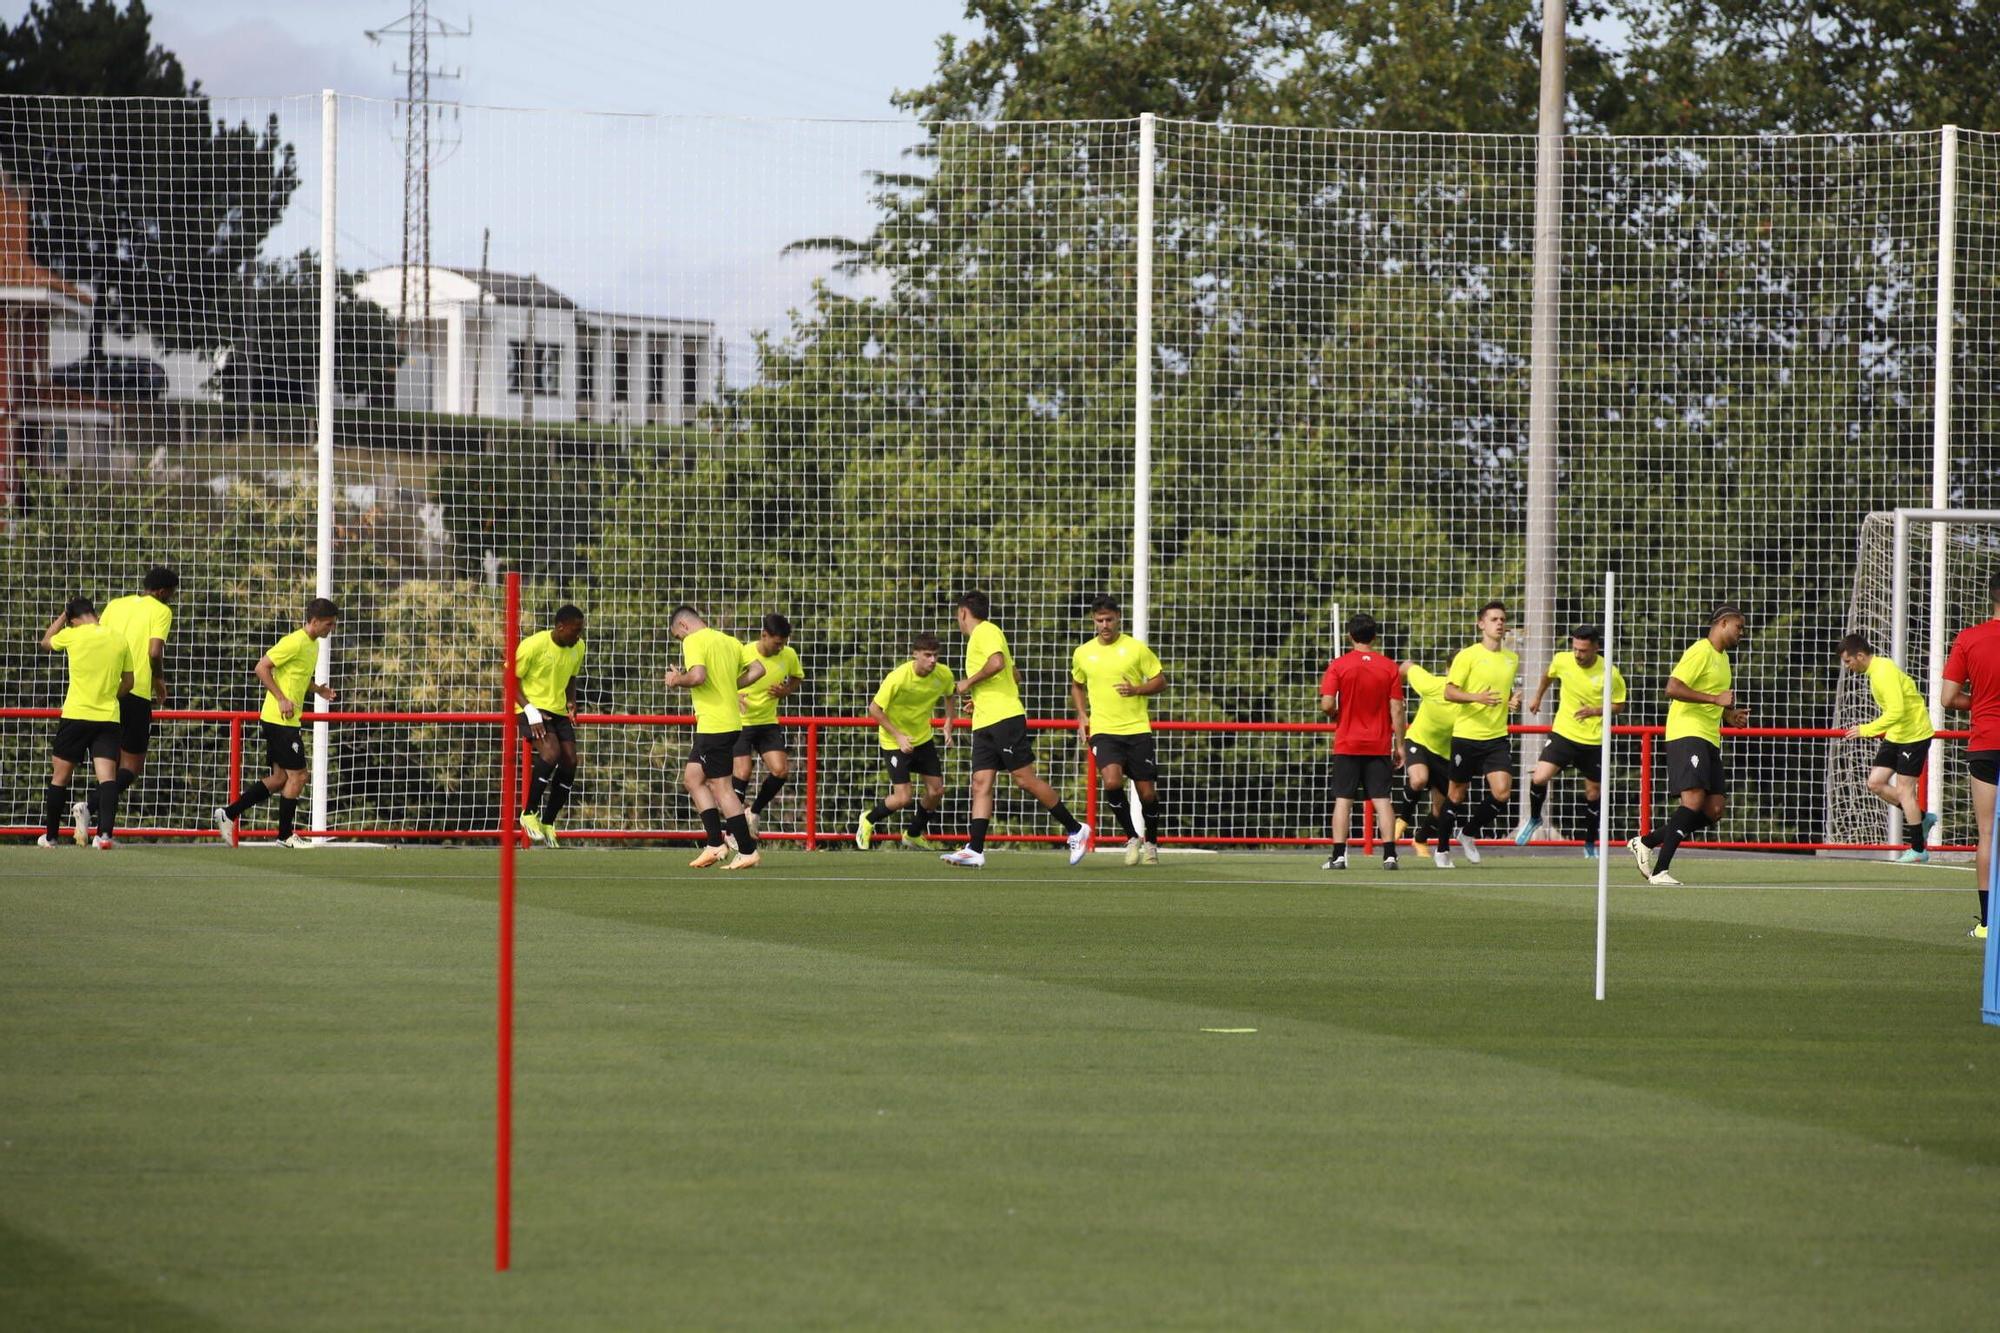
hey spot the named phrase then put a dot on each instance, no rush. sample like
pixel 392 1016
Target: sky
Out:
pixel 685 212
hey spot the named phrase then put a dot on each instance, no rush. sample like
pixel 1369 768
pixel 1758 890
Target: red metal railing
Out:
pixel 812 834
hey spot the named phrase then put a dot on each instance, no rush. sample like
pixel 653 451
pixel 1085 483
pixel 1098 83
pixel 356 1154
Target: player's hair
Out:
pixel 1104 604
pixel 927 643
pixel 161 579
pixel 1589 634
pixel 1993 586
pixel 777 626
pixel 680 613
pixel 1495 605
pixel 78 606
pixel 320 608
pixel 568 614
pixel 1361 627
pixel 1854 644
pixel 978 603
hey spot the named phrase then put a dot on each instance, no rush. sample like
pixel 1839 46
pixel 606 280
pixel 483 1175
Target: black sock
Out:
pixel 1339 850
pixel 1982 907
pixel 1388 849
pixel 1483 815
pixel 288 814
pixel 1447 824
pixel 1915 830
pixel 880 813
pixel 254 794
pixel 742 786
pixel 561 783
pixel 1681 825
pixel 767 793
pixel 746 841
pixel 1656 837
pixel 1538 796
pixel 107 806
pixel 55 804
pixel 1119 802
pixel 711 826
pixel 1405 802
pixel 538 786
pixel 1593 813
pixel 1154 819
pixel 977 842
pixel 1060 813
pixel 920 821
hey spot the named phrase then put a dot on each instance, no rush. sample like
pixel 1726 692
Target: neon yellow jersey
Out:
pixel 910 701
pixel 759 708
pixel 544 669
pixel 998 697
pixel 1705 668
pixel 716 710
pixel 1431 727
pixel 98 661
pixel 1904 720
pixel 1582 687
pixel 292 661
pixel 1099 667
pixel 1476 670
pixel 139 620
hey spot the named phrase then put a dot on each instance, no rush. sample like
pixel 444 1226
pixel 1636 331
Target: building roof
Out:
pixel 513 288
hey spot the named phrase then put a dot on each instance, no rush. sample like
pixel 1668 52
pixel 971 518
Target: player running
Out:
pixel 1426 769
pixel 1361 692
pixel 1701 702
pixel 545 671
pixel 762 736
pixel 1904 725
pixel 1482 680
pixel 902 708
pixel 143 620
pixel 1578 731
pixel 286 672
pixel 714 666
pixel 1110 679
pixel 1972 684
pixel 100 673
pixel 1000 737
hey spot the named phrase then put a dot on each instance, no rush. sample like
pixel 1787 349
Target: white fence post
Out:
pixel 1142 394
pixel 329 135
pixel 1941 427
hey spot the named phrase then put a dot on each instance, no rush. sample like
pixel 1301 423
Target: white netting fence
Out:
pixel 846 370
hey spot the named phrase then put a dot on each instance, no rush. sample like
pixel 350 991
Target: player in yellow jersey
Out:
pixel 714 667
pixel 1701 700
pixel 286 672
pixel 1904 724
pixel 1426 762
pixel 1110 679
pixel 143 620
pixel 100 671
pixel 902 708
pixel 762 735
pixel 545 670
pixel 1481 680
pixel 991 690
pixel 1578 731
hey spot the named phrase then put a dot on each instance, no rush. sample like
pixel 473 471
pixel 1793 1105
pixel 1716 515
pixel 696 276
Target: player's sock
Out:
pixel 538 784
pixel 920 820
pixel 1154 819
pixel 711 826
pixel 977 842
pixel 767 793
pixel 288 816
pixel 55 804
pixel 1060 813
pixel 1483 815
pixel 254 794
pixel 1120 803
pixel 1339 850
pixel 1447 824
pixel 746 841
pixel 1914 829
pixel 561 783
pixel 1405 802
pixel 1681 824
pixel 1593 812
pixel 1538 796
pixel 742 786
pixel 107 806
pixel 1655 838
pixel 1983 919
pixel 880 813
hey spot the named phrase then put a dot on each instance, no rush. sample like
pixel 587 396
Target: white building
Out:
pixel 508 346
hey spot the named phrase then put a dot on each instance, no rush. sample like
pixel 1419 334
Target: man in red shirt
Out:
pixel 1972 684
pixel 1362 693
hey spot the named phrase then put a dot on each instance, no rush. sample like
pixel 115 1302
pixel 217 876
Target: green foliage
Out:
pixel 274 337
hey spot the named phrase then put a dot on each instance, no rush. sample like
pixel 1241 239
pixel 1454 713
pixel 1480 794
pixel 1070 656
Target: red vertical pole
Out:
pixel 1645 785
pixel 1090 787
pixel 503 1119
pixel 508 825
pixel 1367 828
pixel 812 784
pixel 235 758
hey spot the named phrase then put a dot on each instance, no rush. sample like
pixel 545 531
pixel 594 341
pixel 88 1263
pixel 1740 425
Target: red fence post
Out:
pixel 1645 784
pixel 1090 786
pixel 235 758
pixel 812 784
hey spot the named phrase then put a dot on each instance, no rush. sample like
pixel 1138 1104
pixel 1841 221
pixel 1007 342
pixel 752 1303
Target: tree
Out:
pixel 159 210
pixel 273 337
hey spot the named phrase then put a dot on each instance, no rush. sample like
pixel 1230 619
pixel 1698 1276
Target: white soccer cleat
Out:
pixel 46 841
pixel 964 857
pixel 750 818
pixel 1442 860
pixel 1079 843
pixel 1467 846
pixel 79 818
pixel 225 827
pixel 1132 849
pixel 1151 854
pixel 1643 854
pixel 1334 863
pixel 1662 880
pixel 295 843
pixel 104 844
pixel 1390 863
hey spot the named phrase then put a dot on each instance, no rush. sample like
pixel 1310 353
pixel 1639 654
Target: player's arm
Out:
pixel 1485 698
pixel 125 682
pixel 881 717
pixel 1682 692
pixel 1535 699
pixel 55 628
pixel 266 672
pixel 1398 715
pixel 1329 704
pixel 750 675
pixel 1879 724
pixel 1151 685
pixel 1955 697
pixel 995 664
pixel 688 678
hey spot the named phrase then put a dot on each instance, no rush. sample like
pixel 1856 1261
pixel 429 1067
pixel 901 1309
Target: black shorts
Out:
pixel 761 738
pixel 77 740
pixel 135 723
pixel 1134 754
pixel 1906 757
pixel 286 746
pixel 1695 763
pixel 715 751
pixel 1437 767
pixel 1984 765
pixel 1566 753
pixel 553 724
pixel 1475 759
pixel 1366 773
pixel 922 761
pixel 1004 745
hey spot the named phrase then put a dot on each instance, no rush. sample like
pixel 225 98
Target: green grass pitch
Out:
pixel 254 1091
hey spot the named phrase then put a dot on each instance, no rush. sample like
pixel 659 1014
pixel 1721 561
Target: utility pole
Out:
pixel 422 144
pixel 1544 423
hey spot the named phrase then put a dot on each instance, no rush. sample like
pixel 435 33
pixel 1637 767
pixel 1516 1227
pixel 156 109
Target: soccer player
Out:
pixel 1904 725
pixel 1701 701
pixel 100 672
pixel 713 668
pixel 1578 739
pixel 1110 679
pixel 545 670
pixel 1361 692
pixel 761 736
pixel 1972 684
pixel 1426 743
pixel 287 676
pixel 143 620
pixel 902 708
pixel 1000 737
pixel 1482 679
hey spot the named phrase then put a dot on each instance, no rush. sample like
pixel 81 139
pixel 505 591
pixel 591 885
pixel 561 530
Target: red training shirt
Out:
pixel 1975 664
pixel 1364 681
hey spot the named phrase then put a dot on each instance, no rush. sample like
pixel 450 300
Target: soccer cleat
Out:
pixel 79 818
pixel 548 835
pixel 729 841
pixel 710 856
pixel 103 844
pixel 1423 847
pixel 1978 932
pixel 1643 855
pixel 1079 843
pixel 1442 860
pixel 1390 863
pixel 531 826
pixel 1149 854
pixel 295 843
pixel 964 857
pixel 750 818
pixel 1526 831
pixel 1469 846
pixel 225 827
pixel 1402 828
pixel 1930 823
pixel 917 842
pixel 1912 857
pixel 743 862
pixel 864 832
pixel 1132 847
pixel 1662 880
pixel 1334 863
pixel 46 841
